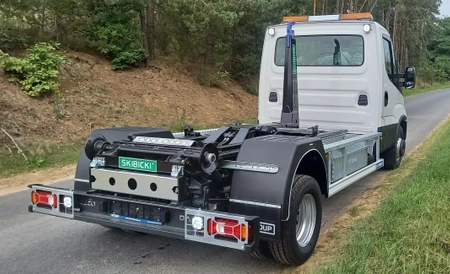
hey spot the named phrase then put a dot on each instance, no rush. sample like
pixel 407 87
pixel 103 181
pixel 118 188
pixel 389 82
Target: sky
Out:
pixel 445 8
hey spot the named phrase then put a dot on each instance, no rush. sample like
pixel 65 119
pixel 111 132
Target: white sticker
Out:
pixel 266 228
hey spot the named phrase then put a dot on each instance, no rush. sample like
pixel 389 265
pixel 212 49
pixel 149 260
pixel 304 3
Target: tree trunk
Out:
pixel 394 28
pixel 387 19
pixel 43 22
pixel 404 52
pixel 143 19
pixel 147 17
pixel 210 43
pixel 362 6
pixel 151 30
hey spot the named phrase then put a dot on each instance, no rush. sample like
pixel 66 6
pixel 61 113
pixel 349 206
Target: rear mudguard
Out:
pixel 83 172
pixel 264 194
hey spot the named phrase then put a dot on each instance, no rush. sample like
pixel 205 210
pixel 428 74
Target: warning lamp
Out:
pixel 46 198
pixel 356 16
pixel 333 17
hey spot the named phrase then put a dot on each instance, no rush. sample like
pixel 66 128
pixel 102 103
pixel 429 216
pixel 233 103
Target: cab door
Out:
pixel 393 101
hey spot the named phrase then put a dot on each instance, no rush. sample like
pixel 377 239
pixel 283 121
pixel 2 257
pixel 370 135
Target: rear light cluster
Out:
pixel 228 228
pixel 44 198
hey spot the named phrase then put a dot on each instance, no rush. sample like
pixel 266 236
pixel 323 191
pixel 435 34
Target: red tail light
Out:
pixel 228 228
pixel 40 197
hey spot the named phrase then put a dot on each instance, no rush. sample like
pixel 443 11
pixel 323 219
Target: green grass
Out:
pixel 425 88
pixel 410 230
pixel 354 211
pixel 52 156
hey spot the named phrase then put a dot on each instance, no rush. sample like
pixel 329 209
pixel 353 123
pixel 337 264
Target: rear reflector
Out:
pixel 45 198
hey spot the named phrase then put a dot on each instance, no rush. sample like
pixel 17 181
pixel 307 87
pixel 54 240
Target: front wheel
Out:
pixel 299 234
pixel 393 157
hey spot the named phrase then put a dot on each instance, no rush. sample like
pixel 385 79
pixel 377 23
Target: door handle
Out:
pixel 386 98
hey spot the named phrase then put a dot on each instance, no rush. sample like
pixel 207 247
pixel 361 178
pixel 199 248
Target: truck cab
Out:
pixel 347 78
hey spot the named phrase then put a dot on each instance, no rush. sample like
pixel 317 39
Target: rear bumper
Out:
pixel 148 217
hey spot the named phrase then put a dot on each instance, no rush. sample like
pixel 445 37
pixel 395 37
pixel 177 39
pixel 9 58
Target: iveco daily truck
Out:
pixel 331 111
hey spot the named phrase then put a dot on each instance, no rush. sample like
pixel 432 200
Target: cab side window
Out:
pixel 388 58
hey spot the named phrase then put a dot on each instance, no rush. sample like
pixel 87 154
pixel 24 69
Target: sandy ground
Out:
pixel 93 96
pixel 42 176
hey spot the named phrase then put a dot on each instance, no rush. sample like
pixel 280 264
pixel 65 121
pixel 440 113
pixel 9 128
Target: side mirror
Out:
pixel 410 77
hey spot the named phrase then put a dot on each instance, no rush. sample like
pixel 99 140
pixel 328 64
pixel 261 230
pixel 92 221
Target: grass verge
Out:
pixel 61 155
pixel 425 88
pixel 409 232
pixel 51 156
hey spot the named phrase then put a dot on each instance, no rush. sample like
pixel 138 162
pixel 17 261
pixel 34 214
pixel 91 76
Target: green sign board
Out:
pixel 138 164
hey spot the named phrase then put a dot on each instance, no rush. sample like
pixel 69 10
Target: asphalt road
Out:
pixel 33 243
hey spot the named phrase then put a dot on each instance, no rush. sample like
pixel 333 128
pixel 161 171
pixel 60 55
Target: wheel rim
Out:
pixel 399 148
pixel 403 148
pixel 306 220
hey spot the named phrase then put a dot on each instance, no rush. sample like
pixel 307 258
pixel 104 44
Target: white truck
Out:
pixel 331 111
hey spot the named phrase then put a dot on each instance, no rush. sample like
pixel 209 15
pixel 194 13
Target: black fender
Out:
pixel 267 195
pixel 83 171
pixel 403 122
pixel 390 133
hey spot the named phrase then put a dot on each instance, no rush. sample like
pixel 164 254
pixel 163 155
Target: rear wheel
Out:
pixel 299 234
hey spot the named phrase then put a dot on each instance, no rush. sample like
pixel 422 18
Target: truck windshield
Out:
pixel 324 50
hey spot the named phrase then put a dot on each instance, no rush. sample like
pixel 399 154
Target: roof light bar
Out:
pixel 163 141
pixel 335 17
pixel 324 18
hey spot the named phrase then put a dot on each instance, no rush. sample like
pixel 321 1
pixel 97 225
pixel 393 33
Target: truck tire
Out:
pixel 299 234
pixel 393 157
